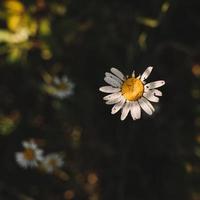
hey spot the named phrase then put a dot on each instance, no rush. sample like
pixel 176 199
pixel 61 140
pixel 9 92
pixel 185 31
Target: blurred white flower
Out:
pixel 30 156
pixel 130 94
pixel 52 162
pixel 21 36
pixel 60 87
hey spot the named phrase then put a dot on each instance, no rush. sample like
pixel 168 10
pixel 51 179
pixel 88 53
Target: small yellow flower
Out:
pixel 14 22
pixel 14 6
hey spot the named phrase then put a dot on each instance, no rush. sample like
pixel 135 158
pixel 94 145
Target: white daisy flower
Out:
pixel 60 87
pixel 52 162
pixel 130 94
pixel 30 156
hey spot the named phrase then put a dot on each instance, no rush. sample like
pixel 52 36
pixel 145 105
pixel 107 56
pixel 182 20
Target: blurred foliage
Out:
pixel 40 41
pixel 8 123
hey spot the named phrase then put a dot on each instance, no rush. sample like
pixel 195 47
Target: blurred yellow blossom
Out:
pixel 45 26
pixel 21 25
pixel 165 7
pixel 17 22
pixel 14 6
pixel 14 21
pixel 142 40
pixel 147 21
pixel 8 123
pixel 58 8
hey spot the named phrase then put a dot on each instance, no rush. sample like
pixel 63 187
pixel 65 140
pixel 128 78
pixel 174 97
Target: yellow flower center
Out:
pixel 52 163
pixel 29 154
pixel 62 86
pixel 132 89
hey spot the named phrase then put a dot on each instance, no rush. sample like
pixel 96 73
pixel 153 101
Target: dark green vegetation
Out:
pixel 155 158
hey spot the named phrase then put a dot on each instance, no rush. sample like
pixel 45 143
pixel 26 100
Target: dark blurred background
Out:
pixel 153 158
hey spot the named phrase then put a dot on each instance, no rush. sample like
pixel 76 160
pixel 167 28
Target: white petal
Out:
pixel 109 89
pixel 117 73
pixel 112 82
pixel 19 156
pixel 39 154
pixel 157 92
pixel 150 96
pixel 154 91
pixel 138 77
pixel 33 145
pixel 154 84
pixel 113 77
pixel 125 110
pixel 116 100
pixel 112 96
pixel 57 80
pixel 26 144
pixel 65 79
pixel 145 106
pixel 149 104
pixel 133 74
pixel 21 160
pixel 135 110
pixel 60 162
pixel 117 106
pixel 33 163
pixel 25 164
pixel 146 73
